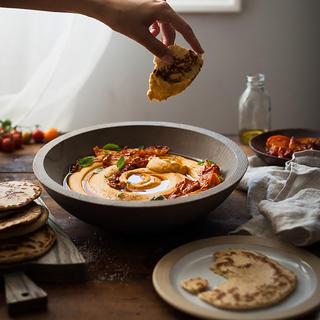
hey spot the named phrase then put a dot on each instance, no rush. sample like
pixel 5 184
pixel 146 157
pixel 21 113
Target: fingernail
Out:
pixel 167 59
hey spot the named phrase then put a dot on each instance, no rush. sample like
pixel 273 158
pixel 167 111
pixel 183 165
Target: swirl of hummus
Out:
pixel 158 178
pixel 140 180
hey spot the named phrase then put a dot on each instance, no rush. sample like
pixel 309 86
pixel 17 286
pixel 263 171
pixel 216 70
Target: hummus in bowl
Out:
pixel 140 174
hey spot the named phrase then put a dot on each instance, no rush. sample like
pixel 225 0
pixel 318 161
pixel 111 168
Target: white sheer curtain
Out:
pixel 45 59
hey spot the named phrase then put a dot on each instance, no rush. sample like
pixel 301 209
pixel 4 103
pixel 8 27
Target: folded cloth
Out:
pixel 284 202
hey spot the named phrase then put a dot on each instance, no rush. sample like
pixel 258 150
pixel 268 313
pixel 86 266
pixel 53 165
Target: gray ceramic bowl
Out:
pixel 52 163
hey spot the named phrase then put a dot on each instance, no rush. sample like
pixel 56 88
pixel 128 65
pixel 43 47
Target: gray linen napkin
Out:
pixel 284 202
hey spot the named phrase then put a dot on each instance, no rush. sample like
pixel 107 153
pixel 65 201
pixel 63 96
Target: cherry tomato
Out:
pixel 26 137
pixel 51 134
pixel 17 140
pixel 7 135
pixel 15 131
pixel 7 144
pixel 38 135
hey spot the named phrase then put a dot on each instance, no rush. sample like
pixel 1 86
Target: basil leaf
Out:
pixel 141 147
pixel 202 162
pixel 6 125
pixel 111 146
pixel 86 161
pixel 158 198
pixel 121 163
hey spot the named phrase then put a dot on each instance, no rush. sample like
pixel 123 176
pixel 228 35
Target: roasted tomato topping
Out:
pixel 283 146
pixel 184 187
pixel 210 176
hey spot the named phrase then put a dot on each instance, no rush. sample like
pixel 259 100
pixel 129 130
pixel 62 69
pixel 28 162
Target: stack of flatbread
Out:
pixel 24 232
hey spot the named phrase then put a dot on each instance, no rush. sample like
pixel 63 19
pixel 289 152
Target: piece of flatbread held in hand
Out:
pixel 168 80
pixel 194 285
pixel 253 280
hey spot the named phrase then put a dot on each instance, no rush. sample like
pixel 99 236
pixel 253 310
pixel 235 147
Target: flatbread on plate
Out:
pixel 16 194
pixel 168 80
pixel 27 247
pixel 194 285
pixel 253 280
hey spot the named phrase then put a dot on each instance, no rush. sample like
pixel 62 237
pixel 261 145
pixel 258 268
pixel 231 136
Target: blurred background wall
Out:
pixel 280 38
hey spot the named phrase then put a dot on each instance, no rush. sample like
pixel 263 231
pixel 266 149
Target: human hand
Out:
pixel 143 20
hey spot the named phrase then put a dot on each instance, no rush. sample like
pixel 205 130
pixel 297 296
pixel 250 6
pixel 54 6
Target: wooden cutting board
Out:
pixel 63 263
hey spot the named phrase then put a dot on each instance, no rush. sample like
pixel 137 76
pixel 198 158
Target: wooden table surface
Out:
pixel 120 268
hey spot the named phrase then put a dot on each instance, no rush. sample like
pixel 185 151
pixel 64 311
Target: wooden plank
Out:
pixel 19 160
pixel 62 263
pixel 134 300
pixel 120 267
pixel 22 294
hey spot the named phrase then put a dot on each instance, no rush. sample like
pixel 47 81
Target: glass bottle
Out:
pixel 254 108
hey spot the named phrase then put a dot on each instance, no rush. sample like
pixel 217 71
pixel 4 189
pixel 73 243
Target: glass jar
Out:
pixel 254 108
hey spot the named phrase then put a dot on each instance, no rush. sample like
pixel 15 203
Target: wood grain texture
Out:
pixel 62 263
pixel 22 294
pixel 120 267
pixel 20 160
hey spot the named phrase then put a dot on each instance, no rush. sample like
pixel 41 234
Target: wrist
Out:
pixel 93 8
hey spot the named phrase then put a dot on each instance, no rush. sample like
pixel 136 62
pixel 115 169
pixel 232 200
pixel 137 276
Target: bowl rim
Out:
pixel 47 181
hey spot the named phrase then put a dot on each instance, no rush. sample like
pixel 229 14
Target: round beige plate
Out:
pixel 194 259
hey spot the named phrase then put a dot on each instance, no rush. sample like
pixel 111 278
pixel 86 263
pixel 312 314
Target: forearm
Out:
pixel 132 18
pixel 73 6
pixel 91 8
